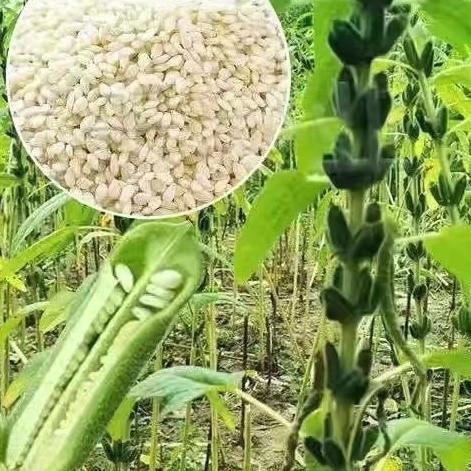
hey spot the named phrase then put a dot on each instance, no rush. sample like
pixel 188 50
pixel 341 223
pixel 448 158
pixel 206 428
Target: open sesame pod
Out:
pixel 114 328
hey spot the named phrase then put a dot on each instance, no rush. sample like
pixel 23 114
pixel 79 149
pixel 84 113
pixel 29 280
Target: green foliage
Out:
pixel 285 195
pixel 182 384
pixel 457 361
pixel 450 21
pixel 317 141
pixel 35 221
pixel 453 449
pixel 446 248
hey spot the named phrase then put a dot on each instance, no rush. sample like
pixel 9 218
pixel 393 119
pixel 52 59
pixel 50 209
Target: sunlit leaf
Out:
pixel 285 195
pixel 118 426
pixel 449 20
pixel 23 379
pixel 448 249
pixel 312 140
pixel 57 310
pixel 36 219
pixel 452 448
pixel 457 361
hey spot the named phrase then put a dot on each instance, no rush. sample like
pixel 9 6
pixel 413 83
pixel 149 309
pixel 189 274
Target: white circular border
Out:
pixel 196 209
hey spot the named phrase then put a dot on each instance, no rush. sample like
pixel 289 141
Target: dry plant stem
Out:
pixel 211 333
pixel 247 462
pixel 154 454
pixel 263 408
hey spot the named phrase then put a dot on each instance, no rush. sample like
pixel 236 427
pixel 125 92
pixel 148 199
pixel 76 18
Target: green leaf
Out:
pixel 448 249
pixel 450 21
pixel 77 214
pixel 47 246
pixel 285 195
pixel 36 219
pixel 57 310
pixel 317 96
pixel 7 180
pixel 201 300
pixel 280 5
pixel 452 448
pixel 180 385
pixel 460 74
pixel 24 378
pixel 457 361
pixel 313 139
pixel 118 426
pixel 7 327
pixel 221 409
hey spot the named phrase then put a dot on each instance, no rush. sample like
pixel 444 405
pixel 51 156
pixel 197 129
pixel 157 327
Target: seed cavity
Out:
pixel 124 276
pixel 153 301
pixel 169 279
pixel 141 313
pixel 160 292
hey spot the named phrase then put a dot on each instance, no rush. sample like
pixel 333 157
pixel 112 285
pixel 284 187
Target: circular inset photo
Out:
pixel 148 108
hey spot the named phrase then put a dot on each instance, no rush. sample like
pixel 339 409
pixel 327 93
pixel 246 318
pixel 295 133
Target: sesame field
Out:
pixel 235 235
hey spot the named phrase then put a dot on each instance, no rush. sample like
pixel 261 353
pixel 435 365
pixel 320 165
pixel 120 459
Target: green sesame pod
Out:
pixel 365 360
pixel 445 189
pixel 337 308
pixel 314 447
pixel 344 96
pixel 395 27
pixel 367 241
pixel 332 363
pixel 373 213
pixel 419 292
pixel 411 53
pixel 333 455
pixel 442 122
pixel 427 59
pixel 337 278
pixel 421 206
pixel 412 252
pixel 437 194
pixel 462 321
pixel 340 237
pixel 424 122
pixel 409 202
pixel 352 386
pixel 347 43
pixel 459 190
pixel 420 330
pixel 409 94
